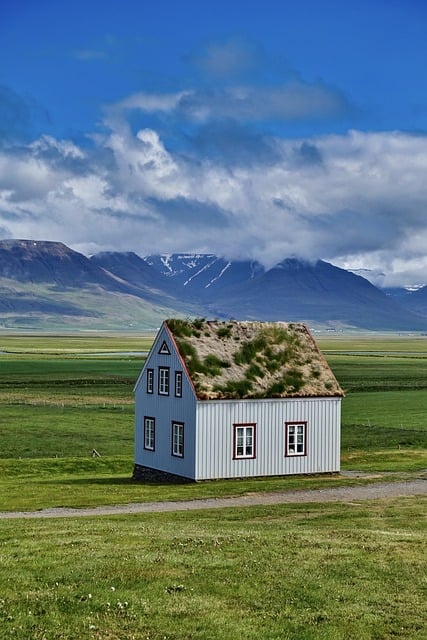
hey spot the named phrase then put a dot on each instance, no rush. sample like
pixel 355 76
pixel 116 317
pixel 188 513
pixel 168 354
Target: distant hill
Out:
pixel 141 279
pixel 203 276
pixel 53 262
pixel 416 301
pixel 317 293
pixel 47 285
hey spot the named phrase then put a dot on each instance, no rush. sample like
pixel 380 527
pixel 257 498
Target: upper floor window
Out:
pixel 178 384
pixel 164 376
pixel 296 439
pixel 244 441
pixel 150 380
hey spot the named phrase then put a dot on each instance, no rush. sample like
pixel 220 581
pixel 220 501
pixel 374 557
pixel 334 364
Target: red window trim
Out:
pixel 291 424
pixel 236 425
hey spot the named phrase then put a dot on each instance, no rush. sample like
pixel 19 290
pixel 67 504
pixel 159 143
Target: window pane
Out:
pixel 244 442
pixel 164 381
pixel 150 380
pixel 178 384
pixel 296 439
pixel 149 431
pixel 177 439
pixel 239 442
pixel 248 441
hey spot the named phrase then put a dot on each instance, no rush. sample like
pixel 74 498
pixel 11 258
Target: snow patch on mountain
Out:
pixel 206 266
pixel 219 275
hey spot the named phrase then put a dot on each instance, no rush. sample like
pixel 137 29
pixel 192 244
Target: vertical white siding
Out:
pixel 214 438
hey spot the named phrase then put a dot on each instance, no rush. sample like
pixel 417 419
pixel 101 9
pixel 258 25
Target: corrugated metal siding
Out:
pixel 215 421
pixel 165 409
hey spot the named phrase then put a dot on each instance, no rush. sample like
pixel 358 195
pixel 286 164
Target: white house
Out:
pixel 235 399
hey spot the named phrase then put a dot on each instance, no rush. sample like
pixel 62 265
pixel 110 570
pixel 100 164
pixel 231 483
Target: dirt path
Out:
pixel 353 494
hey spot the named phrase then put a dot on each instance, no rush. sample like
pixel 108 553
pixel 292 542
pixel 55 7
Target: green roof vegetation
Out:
pixel 252 359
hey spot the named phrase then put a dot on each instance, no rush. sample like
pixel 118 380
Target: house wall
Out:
pixel 215 440
pixel 165 409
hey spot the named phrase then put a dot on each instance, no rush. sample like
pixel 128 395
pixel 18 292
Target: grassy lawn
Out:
pixel 384 417
pixel 59 402
pixel 288 572
pixel 73 343
pixel 303 572
pixel 32 484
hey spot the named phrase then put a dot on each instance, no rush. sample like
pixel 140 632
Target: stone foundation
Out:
pixel 147 474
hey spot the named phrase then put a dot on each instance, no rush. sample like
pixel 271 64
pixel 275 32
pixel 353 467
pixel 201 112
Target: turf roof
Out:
pixel 252 360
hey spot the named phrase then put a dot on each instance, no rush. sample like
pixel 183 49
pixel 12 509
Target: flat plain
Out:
pixel 304 571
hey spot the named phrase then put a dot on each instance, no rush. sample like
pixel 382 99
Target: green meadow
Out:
pixel 61 397
pixel 384 417
pixel 302 572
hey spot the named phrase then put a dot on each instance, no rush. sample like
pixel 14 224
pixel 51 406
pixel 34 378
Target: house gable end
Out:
pixel 156 347
pixel 163 351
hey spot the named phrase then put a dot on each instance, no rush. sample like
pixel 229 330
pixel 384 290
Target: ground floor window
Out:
pixel 296 438
pixel 178 439
pixel 244 441
pixel 149 433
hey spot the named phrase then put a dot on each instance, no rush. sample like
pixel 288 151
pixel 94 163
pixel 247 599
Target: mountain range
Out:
pixel 47 285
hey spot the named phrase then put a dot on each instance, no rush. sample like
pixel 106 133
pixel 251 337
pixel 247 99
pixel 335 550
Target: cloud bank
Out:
pixel 200 179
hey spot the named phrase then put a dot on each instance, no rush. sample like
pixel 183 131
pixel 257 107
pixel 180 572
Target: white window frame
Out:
pixel 244 445
pixel 296 439
pixel 149 433
pixel 178 384
pixel 150 380
pixel 164 349
pixel 164 381
pixel 177 439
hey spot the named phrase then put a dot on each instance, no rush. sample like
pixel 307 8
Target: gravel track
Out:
pixel 375 491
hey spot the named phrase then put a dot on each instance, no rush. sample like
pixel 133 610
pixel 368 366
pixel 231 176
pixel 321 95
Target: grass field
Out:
pixel 59 401
pixel 297 572
pixel 301 572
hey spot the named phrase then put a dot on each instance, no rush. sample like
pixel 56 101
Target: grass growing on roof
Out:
pixel 252 359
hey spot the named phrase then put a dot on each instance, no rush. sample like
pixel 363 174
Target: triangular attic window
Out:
pixel 164 349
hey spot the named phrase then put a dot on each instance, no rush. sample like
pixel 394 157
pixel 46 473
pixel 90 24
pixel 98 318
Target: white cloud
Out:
pixel 65 148
pixel 148 102
pixel 358 200
pixel 291 101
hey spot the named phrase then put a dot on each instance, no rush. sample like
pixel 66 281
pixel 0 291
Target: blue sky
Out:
pixel 252 130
